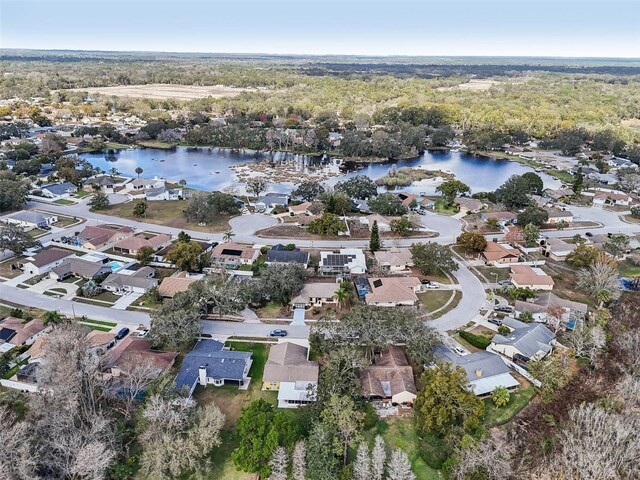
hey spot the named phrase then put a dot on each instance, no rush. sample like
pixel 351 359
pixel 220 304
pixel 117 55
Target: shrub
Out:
pixel 17 312
pixel 475 340
pixel 500 397
pixel 503 330
pixel 433 450
pixel 370 416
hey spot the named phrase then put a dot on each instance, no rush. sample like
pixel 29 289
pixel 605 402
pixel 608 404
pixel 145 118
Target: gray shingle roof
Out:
pixel 489 363
pixel 528 339
pixel 60 188
pixel 29 217
pixel 220 364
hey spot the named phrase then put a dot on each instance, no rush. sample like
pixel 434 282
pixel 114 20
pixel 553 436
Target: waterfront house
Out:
pixel 163 193
pixel 102 183
pixel 58 191
pixel 468 205
pixel 290 372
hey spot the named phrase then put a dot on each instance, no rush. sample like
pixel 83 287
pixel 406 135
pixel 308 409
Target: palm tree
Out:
pixel 53 317
pixel 182 183
pixel 114 172
pixel 139 170
pixel 228 236
pixel 341 295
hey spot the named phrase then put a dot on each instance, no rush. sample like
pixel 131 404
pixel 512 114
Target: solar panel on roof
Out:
pixel 6 334
pixel 230 251
pixel 377 283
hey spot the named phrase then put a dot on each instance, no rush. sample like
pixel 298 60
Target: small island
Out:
pixel 405 176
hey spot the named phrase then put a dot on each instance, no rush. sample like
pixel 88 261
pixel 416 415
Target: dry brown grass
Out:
pixel 159 91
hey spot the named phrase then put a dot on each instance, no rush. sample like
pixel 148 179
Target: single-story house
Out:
pixel 73 266
pixel 540 306
pixel 394 260
pixel 139 184
pixel 524 276
pixel 211 362
pixel 500 253
pixel 131 281
pixel 103 183
pixel 58 190
pixel 393 292
pixel 539 201
pixel 132 245
pixel 611 198
pixel 316 295
pixel 232 255
pixel 93 238
pixel 486 371
pixel 44 260
pixel 390 378
pixel 531 341
pixel 301 209
pixel 427 203
pixel 30 219
pixel 279 256
pixel 556 216
pixel 468 205
pixel 272 200
pixel 360 205
pixel 162 193
pixel 408 198
pixel 290 372
pixel 16 332
pixel 558 193
pixel 603 178
pixel 557 249
pixel 384 224
pixel 99 341
pixel 178 283
pixel 133 351
pixel 305 220
pixel 344 261
pixel 501 217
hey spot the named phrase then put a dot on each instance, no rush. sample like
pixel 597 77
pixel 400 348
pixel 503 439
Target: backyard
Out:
pixel 519 399
pixel 628 269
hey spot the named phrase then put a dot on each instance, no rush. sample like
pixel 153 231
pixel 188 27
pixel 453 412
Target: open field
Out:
pixel 159 91
pixel 168 213
pixel 473 85
pixel 435 299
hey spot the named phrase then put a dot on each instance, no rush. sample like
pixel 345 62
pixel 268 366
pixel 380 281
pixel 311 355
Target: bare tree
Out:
pixel 630 346
pixel 75 437
pixel 399 467
pixel 597 444
pixel 15 437
pixel 588 342
pixel 299 461
pixel 136 377
pixel 378 459
pixel 629 391
pixel 600 280
pixel 279 463
pixel 362 464
pixel 485 457
pixel 178 436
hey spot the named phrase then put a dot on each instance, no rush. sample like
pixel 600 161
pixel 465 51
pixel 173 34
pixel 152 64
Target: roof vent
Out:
pixel 478 373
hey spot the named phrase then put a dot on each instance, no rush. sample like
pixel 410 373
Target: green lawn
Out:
pixel 497 416
pixel 82 194
pixel 442 209
pixel 401 433
pixel 99 322
pixel 628 269
pixel 270 310
pixel 65 221
pixel 36 232
pixel 168 213
pixel 491 272
pixel 70 279
pixel 432 300
pixel 63 201
pixel 454 303
pixel 564 176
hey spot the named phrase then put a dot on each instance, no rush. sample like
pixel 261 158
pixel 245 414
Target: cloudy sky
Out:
pixel 568 28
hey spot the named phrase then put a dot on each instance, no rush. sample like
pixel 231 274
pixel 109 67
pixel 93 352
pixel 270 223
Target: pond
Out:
pixel 218 169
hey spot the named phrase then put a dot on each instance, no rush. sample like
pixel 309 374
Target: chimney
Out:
pixel 478 373
pixel 202 375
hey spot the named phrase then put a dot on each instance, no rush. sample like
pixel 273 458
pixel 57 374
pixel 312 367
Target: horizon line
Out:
pixel 303 55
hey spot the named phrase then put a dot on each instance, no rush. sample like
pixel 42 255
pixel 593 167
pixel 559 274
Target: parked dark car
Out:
pixel 503 308
pixel 588 234
pixel 122 333
pixel 424 281
pixel 278 333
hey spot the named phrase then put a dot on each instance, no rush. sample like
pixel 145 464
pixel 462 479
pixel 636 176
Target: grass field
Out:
pixel 628 269
pixel 434 299
pixel 401 433
pixel 454 303
pixel 168 213
pixel 491 272
pixel 497 416
pixel 156 144
pixel 63 201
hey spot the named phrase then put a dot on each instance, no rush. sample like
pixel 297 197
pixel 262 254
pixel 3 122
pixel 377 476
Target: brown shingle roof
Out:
pixel 24 331
pixel 50 255
pixel 288 362
pixel 392 289
pixel 172 285
pixel 495 251
pixel 132 350
pixel 391 367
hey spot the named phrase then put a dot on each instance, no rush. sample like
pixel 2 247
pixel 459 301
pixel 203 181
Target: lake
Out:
pixel 217 169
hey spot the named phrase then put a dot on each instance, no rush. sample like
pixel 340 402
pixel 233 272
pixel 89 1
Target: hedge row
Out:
pixel 477 341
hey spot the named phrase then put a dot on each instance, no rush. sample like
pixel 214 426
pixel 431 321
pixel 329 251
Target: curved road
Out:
pixel 246 226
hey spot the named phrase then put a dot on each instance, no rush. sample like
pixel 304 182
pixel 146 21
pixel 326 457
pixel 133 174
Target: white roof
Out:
pixel 296 391
pixel 486 385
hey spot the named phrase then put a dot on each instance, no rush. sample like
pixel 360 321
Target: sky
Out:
pixel 556 28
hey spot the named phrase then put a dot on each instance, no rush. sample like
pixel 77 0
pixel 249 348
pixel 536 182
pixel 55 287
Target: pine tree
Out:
pixel 362 464
pixel 299 461
pixel 278 464
pixel 399 467
pixel 378 459
pixel 374 241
